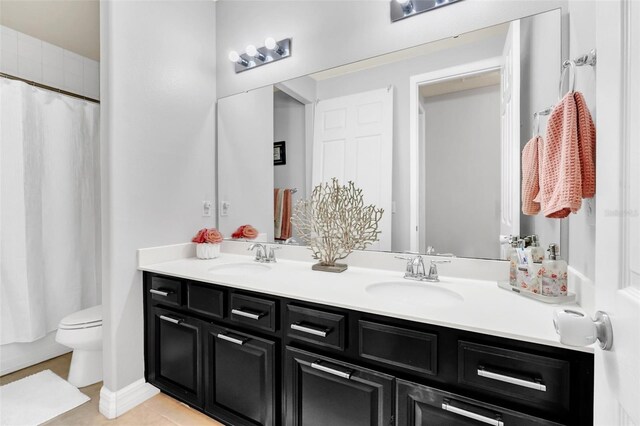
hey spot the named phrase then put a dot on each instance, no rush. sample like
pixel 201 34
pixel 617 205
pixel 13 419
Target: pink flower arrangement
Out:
pixel 245 231
pixel 208 235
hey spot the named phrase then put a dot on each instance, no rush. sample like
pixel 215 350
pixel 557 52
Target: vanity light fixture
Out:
pixel 254 56
pixel 400 9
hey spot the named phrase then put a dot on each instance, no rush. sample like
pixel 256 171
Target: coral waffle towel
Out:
pixel 530 176
pixel 567 158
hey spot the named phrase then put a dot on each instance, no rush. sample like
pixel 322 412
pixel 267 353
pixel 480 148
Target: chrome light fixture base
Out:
pixel 404 9
pixel 281 51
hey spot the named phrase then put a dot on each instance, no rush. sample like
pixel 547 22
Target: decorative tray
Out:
pixel 569 298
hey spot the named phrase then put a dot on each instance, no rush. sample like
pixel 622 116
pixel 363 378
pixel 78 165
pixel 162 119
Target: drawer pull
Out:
pixel 173 320
pixel 345 374
pixel 246 314
pixel 513 380
pixel 309 330
pixel 231 339
pixel 160 292
pixel 471 415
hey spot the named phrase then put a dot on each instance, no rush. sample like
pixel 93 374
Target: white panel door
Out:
pixel 353 141
pixel 617 372
pixel 510 123
pixel 245 151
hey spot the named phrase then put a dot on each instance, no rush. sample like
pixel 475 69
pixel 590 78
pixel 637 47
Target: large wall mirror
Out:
pixel 433 134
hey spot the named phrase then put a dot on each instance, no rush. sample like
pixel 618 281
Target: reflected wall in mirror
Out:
pixel 432 134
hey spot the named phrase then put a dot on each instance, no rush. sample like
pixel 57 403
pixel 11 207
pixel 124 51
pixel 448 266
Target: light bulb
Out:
pixel 233 56
pixel 403 2
pixel 270 43
pixel 251 50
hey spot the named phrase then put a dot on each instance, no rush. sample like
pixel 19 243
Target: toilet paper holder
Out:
pixel 577 329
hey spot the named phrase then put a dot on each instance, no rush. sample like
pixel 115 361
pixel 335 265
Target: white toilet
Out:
pixel 82 332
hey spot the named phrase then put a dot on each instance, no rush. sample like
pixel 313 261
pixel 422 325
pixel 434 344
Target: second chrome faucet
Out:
pixel 416 270
pixel 264 253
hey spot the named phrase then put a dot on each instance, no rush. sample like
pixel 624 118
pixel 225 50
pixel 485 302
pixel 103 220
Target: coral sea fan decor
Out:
pixel 334 222
pixel 245 231
pixel 208 243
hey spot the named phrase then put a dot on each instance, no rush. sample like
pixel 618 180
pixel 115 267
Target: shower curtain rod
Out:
pixel 44 86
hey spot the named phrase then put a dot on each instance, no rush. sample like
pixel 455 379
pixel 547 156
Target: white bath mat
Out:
pixel 37 398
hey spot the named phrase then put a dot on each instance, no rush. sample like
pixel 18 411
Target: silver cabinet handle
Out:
pixel 471 415
pixel 231 339
pixel 160 292
pixel 345 374
pixel 513 380
pixel 309 330
pixel 245 314
pixel 173 320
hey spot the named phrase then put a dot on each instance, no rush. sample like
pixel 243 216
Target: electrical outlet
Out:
pixel 206 209
pixel 224 208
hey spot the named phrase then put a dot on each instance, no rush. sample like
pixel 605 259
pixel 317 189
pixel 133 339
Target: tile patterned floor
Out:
pixel 161 410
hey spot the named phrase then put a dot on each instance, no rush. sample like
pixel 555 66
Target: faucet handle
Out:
pixel 270 253
pixel 433 270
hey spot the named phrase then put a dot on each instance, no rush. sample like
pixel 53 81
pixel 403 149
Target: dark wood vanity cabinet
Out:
pixel 249 358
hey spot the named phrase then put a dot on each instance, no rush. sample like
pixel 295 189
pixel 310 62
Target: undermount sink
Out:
pixel 416 293
pixel 243 268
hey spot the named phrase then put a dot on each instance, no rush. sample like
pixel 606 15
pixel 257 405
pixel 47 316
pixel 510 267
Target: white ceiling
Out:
pixel 71 24
pixel 458 85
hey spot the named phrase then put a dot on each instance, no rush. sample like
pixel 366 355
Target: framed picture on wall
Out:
pixel 279 153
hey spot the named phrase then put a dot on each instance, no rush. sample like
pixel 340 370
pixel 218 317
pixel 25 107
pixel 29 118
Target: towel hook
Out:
pixel 571 66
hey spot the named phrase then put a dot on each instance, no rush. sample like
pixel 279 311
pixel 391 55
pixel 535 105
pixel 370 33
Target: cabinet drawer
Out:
pixel 528 379
pixel 254 311
pixel 422 405
pixel 166 290
pixel 315 326
pixel 410 350
pixel 205 299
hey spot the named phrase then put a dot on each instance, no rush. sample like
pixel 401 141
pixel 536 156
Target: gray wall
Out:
pixel 398 75
pixel 331 33
pixel 158 153
pixel 462 140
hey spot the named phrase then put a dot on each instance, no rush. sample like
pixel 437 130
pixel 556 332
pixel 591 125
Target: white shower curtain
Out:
pixel 49 209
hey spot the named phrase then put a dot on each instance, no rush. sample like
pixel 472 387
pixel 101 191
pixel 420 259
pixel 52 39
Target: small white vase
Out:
pixel 207 251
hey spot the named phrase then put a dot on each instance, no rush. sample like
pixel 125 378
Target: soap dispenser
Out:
pixel 554 273
pixel 535 252
pixel 512 257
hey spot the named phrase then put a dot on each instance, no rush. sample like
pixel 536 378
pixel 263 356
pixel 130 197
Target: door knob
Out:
pixel 577 329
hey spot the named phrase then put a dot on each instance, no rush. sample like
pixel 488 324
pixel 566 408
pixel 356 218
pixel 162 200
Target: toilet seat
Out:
pixel 87 318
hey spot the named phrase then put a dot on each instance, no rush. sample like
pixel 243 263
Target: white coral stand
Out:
pixel 82 332
pixel 207 251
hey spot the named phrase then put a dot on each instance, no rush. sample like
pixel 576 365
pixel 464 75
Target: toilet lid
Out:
pixel 90 317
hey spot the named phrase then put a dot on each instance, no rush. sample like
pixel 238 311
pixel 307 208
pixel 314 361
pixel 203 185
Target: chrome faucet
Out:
pixel 264 253
pixel 416 270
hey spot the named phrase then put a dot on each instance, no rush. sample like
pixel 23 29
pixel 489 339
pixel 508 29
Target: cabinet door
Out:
pixel 321 391
pixel 174 355
pixel 419 405
pixel 241 377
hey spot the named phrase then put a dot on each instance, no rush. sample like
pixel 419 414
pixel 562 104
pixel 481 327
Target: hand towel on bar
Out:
pixel 568 171
pixel 286 215
pixel 530 176
pixel 277 222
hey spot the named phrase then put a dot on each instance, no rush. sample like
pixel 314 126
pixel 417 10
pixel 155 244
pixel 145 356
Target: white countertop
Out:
pixel 486 308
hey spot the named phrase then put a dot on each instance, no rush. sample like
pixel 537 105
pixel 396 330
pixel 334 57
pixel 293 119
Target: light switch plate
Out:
pixel 206 208
pixel 224 208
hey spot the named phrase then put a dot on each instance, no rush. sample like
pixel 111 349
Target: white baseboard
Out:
pixel 16 356
pixel 115 404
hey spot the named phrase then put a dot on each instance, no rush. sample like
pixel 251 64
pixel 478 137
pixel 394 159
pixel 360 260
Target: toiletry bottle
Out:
pixel 536 253
pixel 512 256
pixel 535 256
pixel 522 266
pixel 554 273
